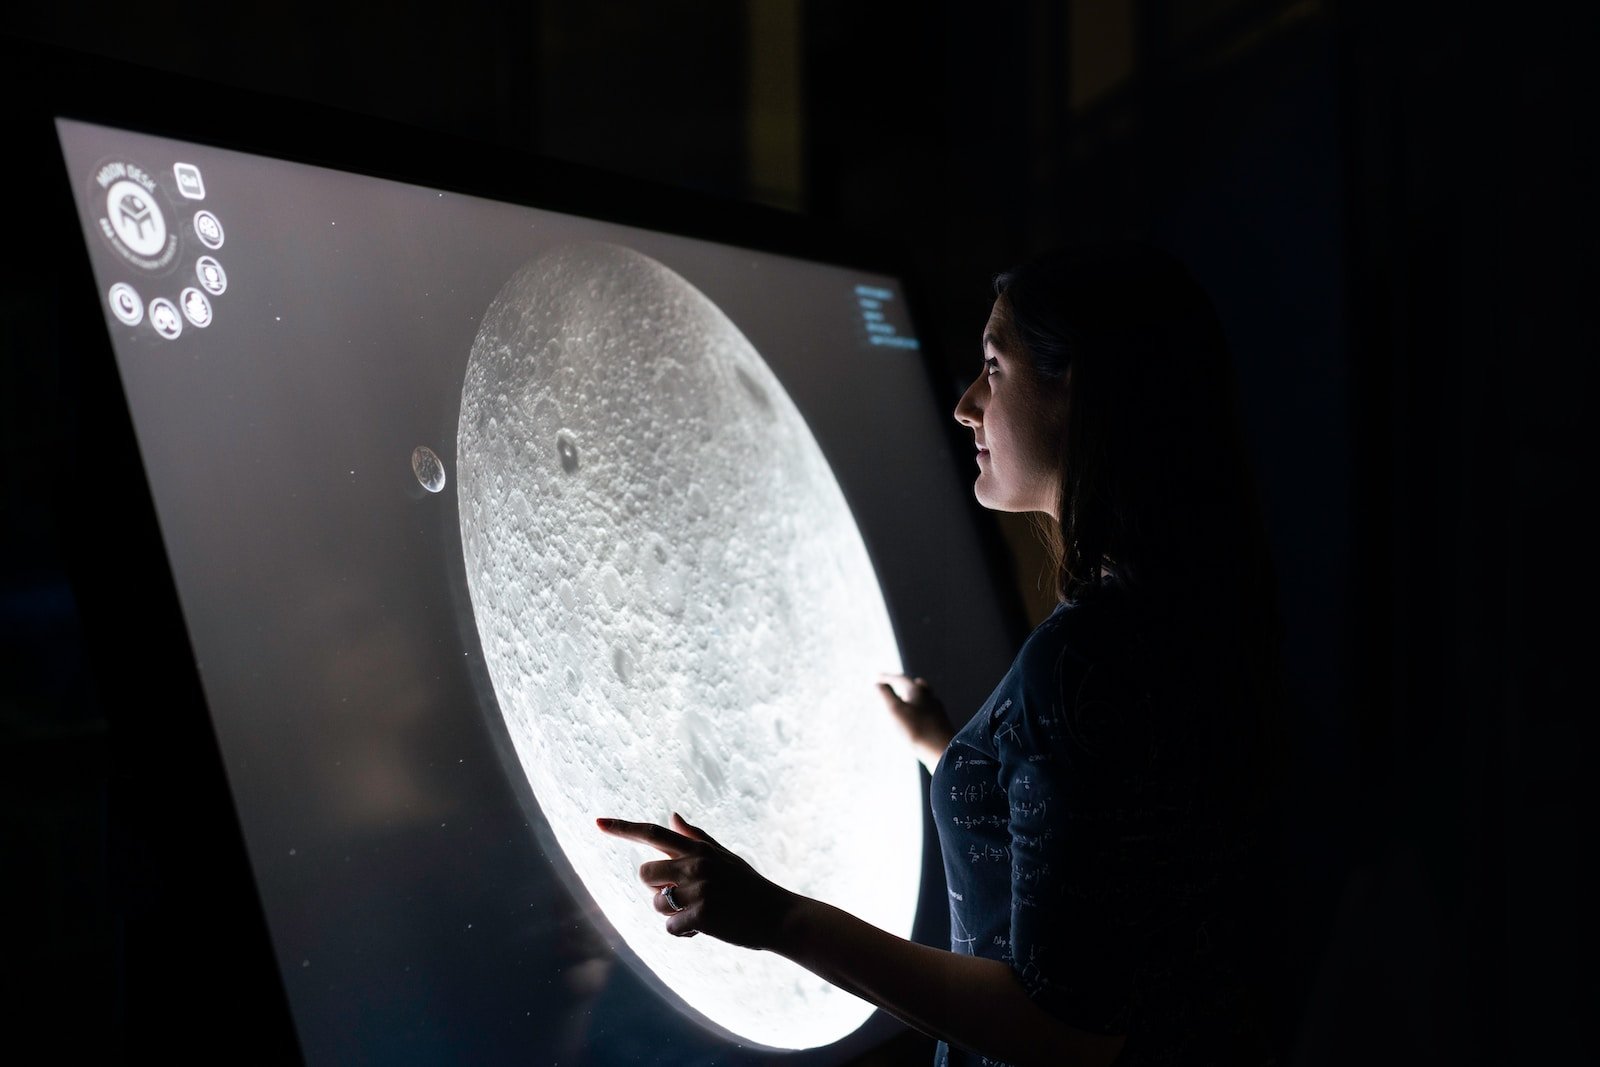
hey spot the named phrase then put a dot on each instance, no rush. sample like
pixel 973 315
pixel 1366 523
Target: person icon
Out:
pixel 213 279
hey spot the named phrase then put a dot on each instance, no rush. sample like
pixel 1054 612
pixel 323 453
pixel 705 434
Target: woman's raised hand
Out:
pixel 701 887
pixel 921 715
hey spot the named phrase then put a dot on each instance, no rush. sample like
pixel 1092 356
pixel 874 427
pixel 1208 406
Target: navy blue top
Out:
pixel 1086 839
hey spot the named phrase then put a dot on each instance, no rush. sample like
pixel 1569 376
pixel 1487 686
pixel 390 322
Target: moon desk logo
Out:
pixel 132 219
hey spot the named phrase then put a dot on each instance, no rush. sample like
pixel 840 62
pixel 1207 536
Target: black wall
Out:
pixel 1390 206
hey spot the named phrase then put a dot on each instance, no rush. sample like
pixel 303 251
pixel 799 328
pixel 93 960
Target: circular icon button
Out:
pixel 136 217
pixel 164 317
pixel 125 304
pixel 208 228
pixel 196 308
pixel 213 279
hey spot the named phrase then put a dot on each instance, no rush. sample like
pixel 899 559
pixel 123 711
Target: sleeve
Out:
pixel 1085 850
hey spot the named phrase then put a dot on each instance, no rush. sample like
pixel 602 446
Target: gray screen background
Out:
pixel 412 894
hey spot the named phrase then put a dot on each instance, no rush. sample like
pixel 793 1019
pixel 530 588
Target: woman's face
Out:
pixel 1017 419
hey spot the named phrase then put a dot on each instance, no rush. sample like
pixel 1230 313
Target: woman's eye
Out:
pixel 990 366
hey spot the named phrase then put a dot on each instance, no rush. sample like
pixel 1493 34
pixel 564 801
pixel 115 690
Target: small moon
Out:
pixel 428 468
pixel 677 609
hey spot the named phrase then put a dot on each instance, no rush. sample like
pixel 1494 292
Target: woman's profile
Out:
pixel 1099 812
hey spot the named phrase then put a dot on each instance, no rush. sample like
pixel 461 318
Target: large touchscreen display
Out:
pixel 487 520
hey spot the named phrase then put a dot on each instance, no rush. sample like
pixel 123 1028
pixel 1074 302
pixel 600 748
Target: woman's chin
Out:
pixel 990 500
pixel 994 502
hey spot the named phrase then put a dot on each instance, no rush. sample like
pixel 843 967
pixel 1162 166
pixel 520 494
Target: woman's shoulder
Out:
pixel 1097 631
pixel 1116 668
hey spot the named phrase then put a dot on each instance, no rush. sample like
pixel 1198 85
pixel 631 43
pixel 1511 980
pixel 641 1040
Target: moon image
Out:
pixel 428 467
pixel 678 613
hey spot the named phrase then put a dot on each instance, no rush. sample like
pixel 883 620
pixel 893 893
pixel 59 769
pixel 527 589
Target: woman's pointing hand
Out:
pixel 701 887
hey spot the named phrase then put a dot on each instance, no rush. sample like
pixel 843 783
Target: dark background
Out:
pixel 1389 203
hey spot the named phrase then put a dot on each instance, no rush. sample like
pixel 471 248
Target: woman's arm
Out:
pixel 969 1001
pixel 975 1003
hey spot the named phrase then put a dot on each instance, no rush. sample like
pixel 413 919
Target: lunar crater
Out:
pixel 568 452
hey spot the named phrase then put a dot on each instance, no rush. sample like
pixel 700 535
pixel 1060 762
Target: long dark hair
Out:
pixel 1156 491
pixel 1156 497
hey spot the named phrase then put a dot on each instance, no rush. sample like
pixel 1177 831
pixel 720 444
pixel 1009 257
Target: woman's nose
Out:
pixel 967 412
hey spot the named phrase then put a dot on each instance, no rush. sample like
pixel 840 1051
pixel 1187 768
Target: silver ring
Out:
pixel 672 901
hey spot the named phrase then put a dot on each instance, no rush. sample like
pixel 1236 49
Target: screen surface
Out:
pixel 486 520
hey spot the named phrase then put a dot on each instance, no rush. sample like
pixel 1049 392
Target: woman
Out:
pixel 1098 813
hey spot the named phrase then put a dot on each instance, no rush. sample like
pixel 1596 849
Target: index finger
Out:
pixel 673 844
